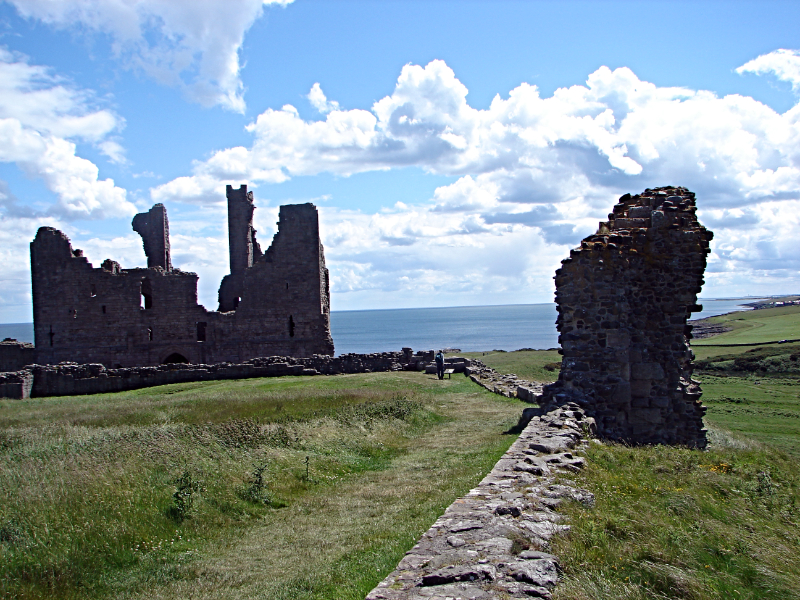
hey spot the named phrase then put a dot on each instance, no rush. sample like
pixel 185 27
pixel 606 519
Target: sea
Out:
pixel 467 328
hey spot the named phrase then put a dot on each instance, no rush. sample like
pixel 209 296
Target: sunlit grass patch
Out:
pixel 677 523
pixel 534 365
pixel 199 489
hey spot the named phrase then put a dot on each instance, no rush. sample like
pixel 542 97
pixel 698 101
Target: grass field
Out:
pixel 201 490
pixel 755 326
pixel 534 365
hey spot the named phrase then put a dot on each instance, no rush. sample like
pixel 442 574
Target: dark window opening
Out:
pixel 104 308
pixel 174 359
pixel 149 334
pixel 236 302
pixel 291 326
pixel 75 314
pixel 94 291
pixel 287 285
pixel 51 334
pixel 201 331
pixel 147 294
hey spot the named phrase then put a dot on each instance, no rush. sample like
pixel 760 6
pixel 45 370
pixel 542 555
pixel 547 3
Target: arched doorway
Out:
pixel 175 358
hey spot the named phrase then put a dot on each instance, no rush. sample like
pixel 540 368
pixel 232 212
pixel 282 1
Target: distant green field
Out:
pixel 534 365
pixel 757 326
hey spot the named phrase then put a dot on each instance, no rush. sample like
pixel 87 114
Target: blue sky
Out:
pixel 457 150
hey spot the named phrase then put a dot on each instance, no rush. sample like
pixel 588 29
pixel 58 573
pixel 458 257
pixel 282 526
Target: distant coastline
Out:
pixel 469 328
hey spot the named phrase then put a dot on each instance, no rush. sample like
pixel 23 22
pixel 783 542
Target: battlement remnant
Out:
pixel 278 304
pixel 153 226
pixel 624 298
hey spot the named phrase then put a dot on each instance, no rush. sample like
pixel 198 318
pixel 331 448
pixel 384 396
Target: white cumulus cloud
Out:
pixel 190 44
pixel 40 115
pixel 543 169
pixel 783 64
pixel 319 101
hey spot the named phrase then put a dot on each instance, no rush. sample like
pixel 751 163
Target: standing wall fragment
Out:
pixel 624 298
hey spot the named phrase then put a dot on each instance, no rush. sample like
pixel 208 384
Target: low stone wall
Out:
pixel 507 385
pixel 16 384
pixel 15 355
pixel 457 363
pixel 492 542
pixel 68 379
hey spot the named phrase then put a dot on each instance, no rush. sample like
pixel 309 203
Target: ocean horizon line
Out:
pixel 459 306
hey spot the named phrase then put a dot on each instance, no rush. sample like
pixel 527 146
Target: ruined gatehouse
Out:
pixel 271 303
pixel 624 298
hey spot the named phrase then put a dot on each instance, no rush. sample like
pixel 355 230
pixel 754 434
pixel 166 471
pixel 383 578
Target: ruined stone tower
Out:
pixel 242 245
pixel 623 300
pixel 278 303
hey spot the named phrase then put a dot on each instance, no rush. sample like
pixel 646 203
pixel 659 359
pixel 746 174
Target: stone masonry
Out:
pixel 153 226
pixel 14 355
pixel 279 302
pixel 244 249
pixel 624 298
pixel 493 542
pixel 70 379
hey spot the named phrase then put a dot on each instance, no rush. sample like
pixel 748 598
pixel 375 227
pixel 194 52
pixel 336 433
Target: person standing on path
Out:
pixel 439 364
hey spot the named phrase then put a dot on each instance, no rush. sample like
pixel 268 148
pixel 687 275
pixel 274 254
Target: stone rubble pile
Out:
pixel 16 384
pixel 493 542
pixel 507 385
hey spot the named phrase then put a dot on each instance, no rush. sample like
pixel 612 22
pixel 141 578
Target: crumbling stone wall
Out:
pixel 244 250
pixel 153 226
pixel 14 355
pixel 623 300
pixel 135 317
pixel 69 379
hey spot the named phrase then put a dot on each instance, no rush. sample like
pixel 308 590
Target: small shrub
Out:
pixel 10 532
pixel 183 497
pixel 255 490
pixel 281 436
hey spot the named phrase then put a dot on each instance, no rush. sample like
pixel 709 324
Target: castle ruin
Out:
pixel 275 303
pixel 624 298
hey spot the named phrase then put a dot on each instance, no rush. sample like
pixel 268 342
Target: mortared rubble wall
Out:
pixel 624 298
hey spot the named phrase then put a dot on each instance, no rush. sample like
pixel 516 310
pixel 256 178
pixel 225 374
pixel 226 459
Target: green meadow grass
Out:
pixel 534 365
pixel 756 326
pixel 265 488
pixel 678 523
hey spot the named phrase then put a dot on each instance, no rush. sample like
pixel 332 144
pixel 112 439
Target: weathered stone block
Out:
pixel 648 415
pixel 621 393
pixel 647 371
pixel 641 387
pixel 618 338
